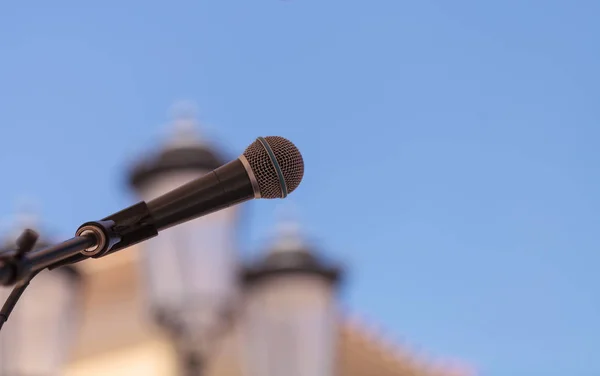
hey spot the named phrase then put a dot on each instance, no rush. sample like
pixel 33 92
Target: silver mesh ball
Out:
pixel 290 162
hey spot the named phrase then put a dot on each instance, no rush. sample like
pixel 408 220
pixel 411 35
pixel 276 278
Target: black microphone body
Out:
pixel 228 185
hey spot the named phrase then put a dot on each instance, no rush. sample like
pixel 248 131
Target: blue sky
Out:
pixel 450 147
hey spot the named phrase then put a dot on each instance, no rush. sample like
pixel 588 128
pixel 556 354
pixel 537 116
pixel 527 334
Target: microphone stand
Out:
pixel 93 239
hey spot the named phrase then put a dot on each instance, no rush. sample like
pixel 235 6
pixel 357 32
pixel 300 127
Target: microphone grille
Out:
pixel 277 165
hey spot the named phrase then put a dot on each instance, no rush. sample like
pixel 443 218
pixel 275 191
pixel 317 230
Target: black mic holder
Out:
pixel 92 239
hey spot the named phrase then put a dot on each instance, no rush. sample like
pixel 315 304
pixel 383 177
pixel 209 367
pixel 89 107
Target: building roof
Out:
pixel 359 353
pixel 115 320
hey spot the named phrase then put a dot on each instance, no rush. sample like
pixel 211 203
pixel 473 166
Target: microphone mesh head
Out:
pixel 288 166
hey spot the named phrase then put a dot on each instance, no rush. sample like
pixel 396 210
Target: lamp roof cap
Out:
pixel 290 252
pixel 185 149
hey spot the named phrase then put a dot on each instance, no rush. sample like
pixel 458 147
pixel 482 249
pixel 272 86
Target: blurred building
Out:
pixel 183 304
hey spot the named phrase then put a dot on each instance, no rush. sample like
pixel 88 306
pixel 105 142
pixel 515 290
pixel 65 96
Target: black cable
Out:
pixel 13 298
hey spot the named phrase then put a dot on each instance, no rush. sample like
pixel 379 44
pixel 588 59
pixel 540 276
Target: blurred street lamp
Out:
pixel 39 334
pixel 190 269
pixel 290 317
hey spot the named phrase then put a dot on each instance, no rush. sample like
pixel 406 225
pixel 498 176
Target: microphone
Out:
pixel 271 167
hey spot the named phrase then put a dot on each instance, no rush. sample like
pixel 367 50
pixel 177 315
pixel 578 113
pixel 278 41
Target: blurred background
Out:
pixel 446 223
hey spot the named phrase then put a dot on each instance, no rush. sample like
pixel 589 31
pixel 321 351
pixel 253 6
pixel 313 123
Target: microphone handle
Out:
pixel 226 186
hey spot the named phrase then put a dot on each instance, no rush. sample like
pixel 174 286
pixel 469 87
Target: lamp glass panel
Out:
pixel 290 327
pixel 190 269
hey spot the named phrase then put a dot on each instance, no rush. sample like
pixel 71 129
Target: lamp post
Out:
pixel 190 269
pixel 290 318
pixel 38 336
